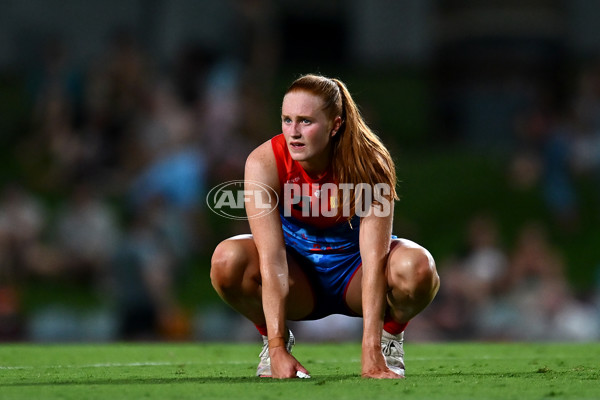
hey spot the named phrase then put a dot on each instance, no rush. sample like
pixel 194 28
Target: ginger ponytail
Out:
pixel 358 155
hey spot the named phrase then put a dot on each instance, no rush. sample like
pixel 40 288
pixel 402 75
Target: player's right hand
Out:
pixel 284 365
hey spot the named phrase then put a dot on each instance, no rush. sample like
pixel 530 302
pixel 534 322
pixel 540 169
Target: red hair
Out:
pixel 358 155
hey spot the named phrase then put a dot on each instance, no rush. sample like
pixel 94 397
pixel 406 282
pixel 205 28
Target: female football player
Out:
pixel 329 248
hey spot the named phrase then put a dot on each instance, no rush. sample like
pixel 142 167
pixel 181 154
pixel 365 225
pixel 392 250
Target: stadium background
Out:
pixel 116 117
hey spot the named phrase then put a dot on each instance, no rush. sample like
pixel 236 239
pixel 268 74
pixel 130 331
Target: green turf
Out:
pixel 215 371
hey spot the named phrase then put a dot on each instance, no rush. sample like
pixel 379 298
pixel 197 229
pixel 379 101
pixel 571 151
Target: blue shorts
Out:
pixel 329 285
pixel 329 258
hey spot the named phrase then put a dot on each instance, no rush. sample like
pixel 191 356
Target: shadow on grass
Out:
pixel 225 380
pixel 206 380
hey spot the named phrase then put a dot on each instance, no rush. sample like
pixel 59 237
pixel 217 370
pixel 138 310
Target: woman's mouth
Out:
pixel 296 145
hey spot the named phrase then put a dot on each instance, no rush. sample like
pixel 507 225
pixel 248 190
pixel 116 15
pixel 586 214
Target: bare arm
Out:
pixel 268 237
pixel 375 237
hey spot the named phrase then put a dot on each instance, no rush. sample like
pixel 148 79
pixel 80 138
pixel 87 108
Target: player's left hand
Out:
pixel 373 366
pixel 380 374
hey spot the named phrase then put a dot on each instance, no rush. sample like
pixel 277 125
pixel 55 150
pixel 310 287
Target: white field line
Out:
pixel 235 362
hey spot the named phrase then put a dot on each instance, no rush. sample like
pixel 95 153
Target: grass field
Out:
pixel 225 371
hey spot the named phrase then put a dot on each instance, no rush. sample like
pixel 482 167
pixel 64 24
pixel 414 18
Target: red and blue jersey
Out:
pixel 327 247
pixel 306 204
pixel 309 203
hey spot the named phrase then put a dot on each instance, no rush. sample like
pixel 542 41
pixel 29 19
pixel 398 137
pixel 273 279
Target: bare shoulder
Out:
pixel 261 156
pixel 261 165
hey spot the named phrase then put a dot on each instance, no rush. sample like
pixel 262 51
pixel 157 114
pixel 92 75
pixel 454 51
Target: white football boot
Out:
pixel 393 351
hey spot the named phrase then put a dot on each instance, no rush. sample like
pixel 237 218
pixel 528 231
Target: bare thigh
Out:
pixel 300 302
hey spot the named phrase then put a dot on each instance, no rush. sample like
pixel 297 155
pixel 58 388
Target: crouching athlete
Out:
pixel 325 251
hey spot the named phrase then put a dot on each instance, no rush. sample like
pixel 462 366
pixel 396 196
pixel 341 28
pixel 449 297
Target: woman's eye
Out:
pixel 305 121
pixel 286 120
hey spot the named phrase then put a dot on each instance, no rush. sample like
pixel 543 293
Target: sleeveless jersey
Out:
pixel 326 247
pixel 307 202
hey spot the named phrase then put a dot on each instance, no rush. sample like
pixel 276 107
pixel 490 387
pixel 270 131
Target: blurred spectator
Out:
pixel 191 65
pixel 534 259
pixel 221 120
pixel 471 281
pixel 173 226
pixel 586 146
pixel 52 152
pixel 259 51
pixel 12 321
pixel 485 263
pixel 116 86
pixel 144 271
pixel 22 221
pixel 586 101
pixel 558 185
pixel 233 109
pixel 451 315
pixel 168 165
pixel 544 155
pixel 55 76
pixel 86 233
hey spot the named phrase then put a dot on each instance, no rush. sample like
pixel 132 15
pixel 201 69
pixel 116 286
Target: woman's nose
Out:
pixel 296 130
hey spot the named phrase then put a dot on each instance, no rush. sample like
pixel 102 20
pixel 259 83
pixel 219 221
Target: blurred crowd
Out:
pixel 521 290
pixel 119 155
pixel 490 292
pixel 114 166
pixel 557 141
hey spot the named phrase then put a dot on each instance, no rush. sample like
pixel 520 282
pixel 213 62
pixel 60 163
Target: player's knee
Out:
pixel 416 270
pixel 226 265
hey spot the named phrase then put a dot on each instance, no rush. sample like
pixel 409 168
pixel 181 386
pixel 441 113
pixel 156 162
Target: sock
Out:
pixel 262 329
pixel 393 327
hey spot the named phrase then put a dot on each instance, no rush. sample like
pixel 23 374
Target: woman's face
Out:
pixel 307 130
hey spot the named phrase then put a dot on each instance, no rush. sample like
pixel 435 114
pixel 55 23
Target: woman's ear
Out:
pixel 337 122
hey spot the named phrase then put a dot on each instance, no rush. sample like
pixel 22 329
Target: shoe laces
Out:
pixel 391 346
pixel 264 353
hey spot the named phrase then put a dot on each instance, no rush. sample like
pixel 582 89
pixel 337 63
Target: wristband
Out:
pixel 278 341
